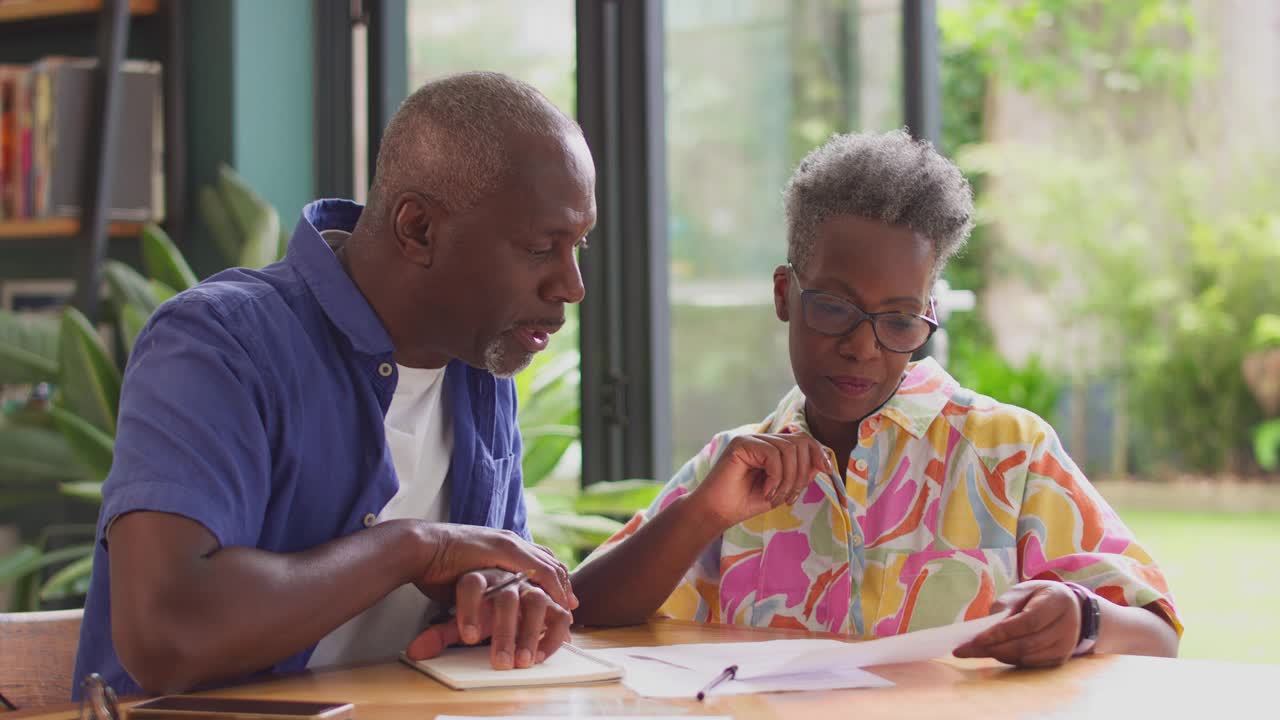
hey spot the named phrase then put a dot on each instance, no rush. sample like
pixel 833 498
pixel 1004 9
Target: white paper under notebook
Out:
pixel 783 665
pixel 469 668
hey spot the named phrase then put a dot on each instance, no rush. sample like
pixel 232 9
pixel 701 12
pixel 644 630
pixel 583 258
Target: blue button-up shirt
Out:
pixel 253 404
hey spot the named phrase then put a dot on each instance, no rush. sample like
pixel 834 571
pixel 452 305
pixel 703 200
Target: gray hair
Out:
pixel 449 139
pixel 888 177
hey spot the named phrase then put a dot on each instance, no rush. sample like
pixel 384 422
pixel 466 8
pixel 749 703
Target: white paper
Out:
pixel 783 665
pixel 577 716
pixel 908 647
pixel 657 679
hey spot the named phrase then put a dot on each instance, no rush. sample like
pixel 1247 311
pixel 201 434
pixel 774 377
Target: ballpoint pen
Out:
pixel 726 674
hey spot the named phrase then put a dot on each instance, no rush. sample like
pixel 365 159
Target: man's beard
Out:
pixel 499 360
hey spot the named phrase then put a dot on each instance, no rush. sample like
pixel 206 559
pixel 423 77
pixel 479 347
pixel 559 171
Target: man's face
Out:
pixel 511 261
pixel 876 267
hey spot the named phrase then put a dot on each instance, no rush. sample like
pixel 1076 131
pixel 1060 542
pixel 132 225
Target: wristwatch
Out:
pixel 1090 619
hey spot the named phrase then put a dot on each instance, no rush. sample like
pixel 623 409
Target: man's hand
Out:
pixel 526 626
pixel 454 550
pixel 757 473
pixel 1042 631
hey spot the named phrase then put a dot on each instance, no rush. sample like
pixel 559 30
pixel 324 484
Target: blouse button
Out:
pixel 370 519
pixel 385 370
pixel 861 465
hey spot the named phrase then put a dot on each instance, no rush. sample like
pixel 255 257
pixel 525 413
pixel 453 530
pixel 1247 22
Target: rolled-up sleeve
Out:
pixel 1068 532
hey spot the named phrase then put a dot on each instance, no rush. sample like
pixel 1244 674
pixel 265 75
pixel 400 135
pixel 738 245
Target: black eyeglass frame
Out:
pixel 807 296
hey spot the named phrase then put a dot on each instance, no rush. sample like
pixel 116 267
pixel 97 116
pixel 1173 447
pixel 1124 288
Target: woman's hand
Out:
pixel 1042 631
pixel 757 473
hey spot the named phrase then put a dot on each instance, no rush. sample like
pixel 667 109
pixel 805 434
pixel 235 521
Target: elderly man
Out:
pixel 314 458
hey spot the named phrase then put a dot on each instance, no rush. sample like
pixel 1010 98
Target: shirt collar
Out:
pixel 332 287
pixel 925 390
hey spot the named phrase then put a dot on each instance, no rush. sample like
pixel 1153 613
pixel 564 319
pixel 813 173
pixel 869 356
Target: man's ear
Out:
pixel 414 220
pixel 781 284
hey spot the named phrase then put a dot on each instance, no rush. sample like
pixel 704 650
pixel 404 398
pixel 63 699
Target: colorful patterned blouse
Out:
pixel 949 499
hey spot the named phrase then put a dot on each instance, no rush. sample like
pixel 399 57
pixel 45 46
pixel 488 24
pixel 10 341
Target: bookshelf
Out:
pixel 23 10
pixel 111 31
pixel 59 228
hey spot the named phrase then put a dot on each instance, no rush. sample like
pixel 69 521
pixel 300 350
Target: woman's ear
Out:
pixel 781 284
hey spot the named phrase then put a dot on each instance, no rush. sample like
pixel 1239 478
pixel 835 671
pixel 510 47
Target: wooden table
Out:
pixel 1117 686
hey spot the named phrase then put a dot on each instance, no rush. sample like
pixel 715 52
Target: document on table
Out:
pixel 783 665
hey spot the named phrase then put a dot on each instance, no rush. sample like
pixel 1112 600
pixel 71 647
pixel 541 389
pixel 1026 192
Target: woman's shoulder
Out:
pixel 988 422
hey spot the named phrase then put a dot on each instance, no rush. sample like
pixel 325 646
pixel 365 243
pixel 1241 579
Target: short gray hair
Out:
pixel 889 177
pixel 449 138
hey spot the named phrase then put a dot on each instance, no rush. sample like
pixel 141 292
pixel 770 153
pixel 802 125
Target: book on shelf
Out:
pixel 45 129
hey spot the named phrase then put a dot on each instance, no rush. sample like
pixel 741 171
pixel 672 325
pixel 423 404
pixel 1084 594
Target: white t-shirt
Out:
pixel 419 432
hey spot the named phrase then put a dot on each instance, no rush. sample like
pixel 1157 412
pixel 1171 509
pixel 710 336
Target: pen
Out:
pixel 488 594
pixel 517 578
pixel 726 674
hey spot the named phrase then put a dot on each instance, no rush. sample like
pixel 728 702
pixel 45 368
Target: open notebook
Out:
pixel 468 668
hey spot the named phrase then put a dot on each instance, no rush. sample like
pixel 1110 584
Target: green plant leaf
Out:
pixel 546 450
pixel 10 499
pixel 28 348
pixel 31 454
pixel 29 559
pixel 163 260
pixel 257 221
pixel 1266 444
pixel 584 531
pixel 85 490
pixel 162 292
pixel 222 227
pixel 91 446
pixel 22 561
pixel 132 320
pixel 63 581
pixel 126 285
pixel 623 497
pixel 90 381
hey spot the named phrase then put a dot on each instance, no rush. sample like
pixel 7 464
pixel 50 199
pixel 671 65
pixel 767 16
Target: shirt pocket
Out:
pixel 906 591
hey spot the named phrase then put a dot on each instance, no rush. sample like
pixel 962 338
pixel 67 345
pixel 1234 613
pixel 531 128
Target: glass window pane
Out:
pixel 533 40
pixel 800 70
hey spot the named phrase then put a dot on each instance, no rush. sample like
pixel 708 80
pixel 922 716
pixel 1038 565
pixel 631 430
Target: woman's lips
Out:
pixel 850 386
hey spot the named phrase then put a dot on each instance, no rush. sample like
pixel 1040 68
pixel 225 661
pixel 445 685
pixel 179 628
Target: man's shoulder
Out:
pixel 243 304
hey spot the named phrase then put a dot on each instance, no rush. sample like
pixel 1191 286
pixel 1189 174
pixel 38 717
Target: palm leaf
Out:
pixel 66 581
pixel 128 286
pixel 217 218
pixel 29 559
pixel 90 381
pixel 88 491
pixel 91 446
pixel 163 260
pixel 33 454
pixel 28 348
pixel 132 321
pixel 256 219
pixel 621 497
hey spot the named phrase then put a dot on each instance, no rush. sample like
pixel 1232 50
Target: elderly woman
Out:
pixel 880 496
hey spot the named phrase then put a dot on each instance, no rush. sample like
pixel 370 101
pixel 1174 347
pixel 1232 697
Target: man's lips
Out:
pixel 535 336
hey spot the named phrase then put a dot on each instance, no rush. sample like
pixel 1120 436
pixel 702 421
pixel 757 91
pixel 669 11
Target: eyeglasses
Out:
pixel 98 701
pixel 831 315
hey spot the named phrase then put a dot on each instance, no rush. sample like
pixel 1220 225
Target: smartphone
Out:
pixel 201 708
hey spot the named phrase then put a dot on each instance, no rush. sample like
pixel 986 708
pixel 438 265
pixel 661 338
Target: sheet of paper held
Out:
pixel 781 665
pixel 659 679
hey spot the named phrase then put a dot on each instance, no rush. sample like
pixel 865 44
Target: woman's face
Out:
pixel 876 267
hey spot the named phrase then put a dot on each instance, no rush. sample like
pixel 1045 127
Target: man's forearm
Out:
pixel 240 610
pixel 631 581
